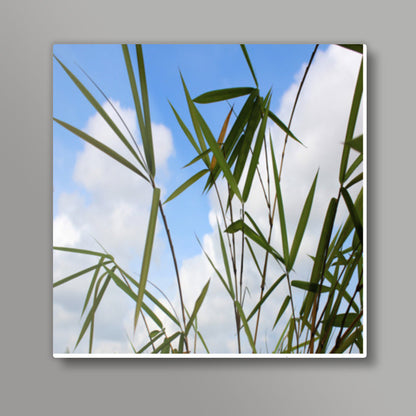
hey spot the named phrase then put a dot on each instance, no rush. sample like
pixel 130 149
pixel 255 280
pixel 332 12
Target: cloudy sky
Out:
pixel 97 200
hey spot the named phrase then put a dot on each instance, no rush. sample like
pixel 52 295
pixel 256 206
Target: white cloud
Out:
pixel 114 211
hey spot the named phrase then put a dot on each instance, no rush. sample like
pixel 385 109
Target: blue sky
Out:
pixel 82 207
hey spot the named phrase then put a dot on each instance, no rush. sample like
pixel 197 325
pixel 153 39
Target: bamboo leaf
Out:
pixel 100 146
pixel 147 133
pixel 256 153
pixel 226 263
pixel 92 284
pixel 355 106
pixel 356 144
pixel 355 216
pixel 353 47
pixel 186 184
pixel 191 139
pixel 221 138
pixel 282 310
pixel 77 274
pixel 283 126
pixel 282 218
pixel 249 64
pixel 265 296
pixel 93 309
pixel 158 335
pixel 246 327
pixel 224 94
pixel 99 109
pixel 166 343
pixel 357 179
pixel 353 166
pixel 82 251
pixel 321 255
pixel 216 150
pixel 193 112
pixel 197 306
pixel 147 253
pixel 310 287
pixel 346 320
pixel 303 221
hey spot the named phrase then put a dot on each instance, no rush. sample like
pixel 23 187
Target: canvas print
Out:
pixel 209 200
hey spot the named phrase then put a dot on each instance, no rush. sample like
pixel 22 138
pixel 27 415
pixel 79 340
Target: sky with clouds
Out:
pixel 97 200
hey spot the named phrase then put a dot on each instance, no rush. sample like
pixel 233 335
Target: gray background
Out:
pixel 32 380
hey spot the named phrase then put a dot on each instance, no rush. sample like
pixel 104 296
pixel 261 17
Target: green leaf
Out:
pixel 346 320
pixel 321 255
pixel 282 310
pixel 283 126
pixel 239 225
pixel 355 215
pixel 224 94
pixel 310 287
pixel 190 137
pixel 105 149
pixel 193 112
pixel 357 179
pixel 187 184
pixel 93 309
pixel 246 327
pixel 197 306
pixel 303 221
pixel 219 156
pixel 154 338
pixel 357 162
pixel 256 153
pixel 82 251
pixel 226 263
pixel 92 284
pixel 166 343
pixel 147 133
pixel 355 106
pixel 147 253
pixel 77 274
pixel 99 109
pixel 265 296
pixel 356 144
pixel 249 64
pixel 353 47
pixel 282 218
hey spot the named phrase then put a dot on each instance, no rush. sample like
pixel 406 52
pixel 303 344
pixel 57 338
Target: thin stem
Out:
pixel 273 211
pixel 178 280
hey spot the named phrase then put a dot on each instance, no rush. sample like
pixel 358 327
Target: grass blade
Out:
pixel 100 146
pixel 310 287
pixel 221 138
pixel 355 215
pixel 224 94
pixel 353 47
pixel 355 106
pixel 166 343
pixel 93 309
pixel 226 263
pixel 243 47
pixel 303 221
pixel 147 133
pixel 283 126
pixel 246 327
pixel 265 296
pixel 99 109
pixel 82 251
pixel 147 253
pixel 77 274
pixel 282 310
pixel 197 306
pixel 186 184
pixel 256 152
pixel 282 218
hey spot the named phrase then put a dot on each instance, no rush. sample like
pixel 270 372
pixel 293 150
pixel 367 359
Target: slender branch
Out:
pixel 273 211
